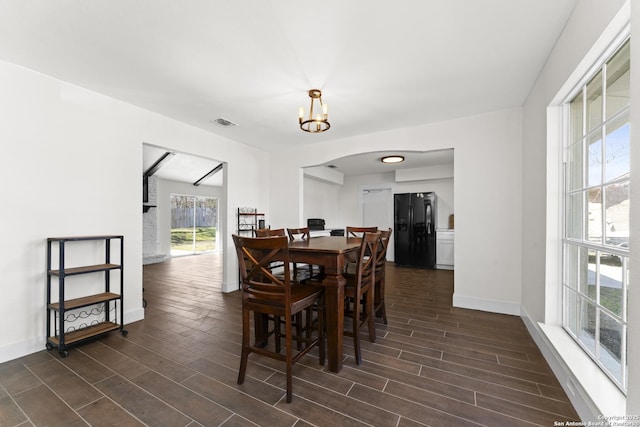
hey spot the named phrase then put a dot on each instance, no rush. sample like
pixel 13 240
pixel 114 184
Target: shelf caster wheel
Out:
pixel 64 353
pixel 49 346
pixel 124 332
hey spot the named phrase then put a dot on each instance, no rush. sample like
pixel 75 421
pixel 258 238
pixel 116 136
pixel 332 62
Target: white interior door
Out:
pixel 377 211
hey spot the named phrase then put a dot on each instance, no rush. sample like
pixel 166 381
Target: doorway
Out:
pixel 171 172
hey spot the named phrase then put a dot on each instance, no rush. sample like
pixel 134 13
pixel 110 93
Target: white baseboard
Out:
pixel 153 259
pixel 21 348
pixel 493 306
pixel 133 315
pixel 232 286
pixel 28 346
pixel 592 394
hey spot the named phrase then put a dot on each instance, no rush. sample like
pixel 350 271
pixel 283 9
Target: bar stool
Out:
pixel 361 287
pixel 264 294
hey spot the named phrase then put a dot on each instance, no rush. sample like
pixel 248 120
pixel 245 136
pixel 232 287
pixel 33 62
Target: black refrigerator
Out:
pixel 415 229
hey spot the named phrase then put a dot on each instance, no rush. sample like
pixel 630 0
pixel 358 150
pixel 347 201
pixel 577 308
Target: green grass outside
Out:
pixel 182 239
pixel 610 298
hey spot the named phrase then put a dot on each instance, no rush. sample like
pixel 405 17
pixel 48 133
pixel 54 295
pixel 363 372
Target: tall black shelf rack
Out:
pixel 57 334
pixel 249 220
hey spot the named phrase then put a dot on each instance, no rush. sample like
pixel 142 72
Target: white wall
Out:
pixel 168 187
pixel 444 189
pixel 633 391
pixel 72 165
pixel 587 23
pixel 341 205
pixel 150 244
pixel 322 200
pixel 351 197
pixel 487 193
pixel 590 391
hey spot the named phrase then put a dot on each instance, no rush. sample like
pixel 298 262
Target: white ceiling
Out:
pixel 381 65
pixel 369 163
pixel 181 167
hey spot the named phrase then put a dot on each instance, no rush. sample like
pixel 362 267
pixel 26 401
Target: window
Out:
pixel 194 222
pixel 596 216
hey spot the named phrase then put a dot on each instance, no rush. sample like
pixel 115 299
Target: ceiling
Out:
pixel 181 167
pixel 380 65
pixel 369 163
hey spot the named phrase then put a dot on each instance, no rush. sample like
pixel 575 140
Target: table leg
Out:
pixel 334 301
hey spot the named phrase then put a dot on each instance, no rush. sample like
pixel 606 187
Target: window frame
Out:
pixel 567 143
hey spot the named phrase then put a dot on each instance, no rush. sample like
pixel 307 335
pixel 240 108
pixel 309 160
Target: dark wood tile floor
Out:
pixel 432 365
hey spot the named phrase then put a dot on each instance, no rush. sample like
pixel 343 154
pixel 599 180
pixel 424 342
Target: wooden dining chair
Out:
pixel 350 267
pixel 358 231
pixel 267 295
pixel 268 232
pixel 302 233
pixel 310 272
pixel 361 286
pixel 381 262
pixel 278 270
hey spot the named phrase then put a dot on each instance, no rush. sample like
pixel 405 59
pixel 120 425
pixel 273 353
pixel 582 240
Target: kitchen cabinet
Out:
pixel 444 249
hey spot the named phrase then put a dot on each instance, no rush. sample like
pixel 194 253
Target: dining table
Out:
pixel 332 253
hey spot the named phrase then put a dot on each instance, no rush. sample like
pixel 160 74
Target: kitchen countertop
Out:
pixel 325 232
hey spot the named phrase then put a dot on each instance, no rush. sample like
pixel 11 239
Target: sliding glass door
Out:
pixel 194 222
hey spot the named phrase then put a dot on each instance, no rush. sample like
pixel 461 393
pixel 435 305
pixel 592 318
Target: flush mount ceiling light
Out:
pixel 392 159
pixel 320 122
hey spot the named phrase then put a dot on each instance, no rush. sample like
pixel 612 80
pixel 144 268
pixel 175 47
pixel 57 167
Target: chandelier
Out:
pixel 320 122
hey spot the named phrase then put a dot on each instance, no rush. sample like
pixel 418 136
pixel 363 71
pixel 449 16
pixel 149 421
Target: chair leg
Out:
pixel 380 300
pixel 277 333
pixel 371 316
pixel 383 311
pixel 308 326
pixel 298 322
pixel 356 332
pixel 321 320
pixel 289 358
pixel 261 329
pixel 246 336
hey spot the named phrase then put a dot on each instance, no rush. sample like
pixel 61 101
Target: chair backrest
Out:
pixel 268 232
pixel 298 233
pixel 366 265
pixel 255 257
pixel 359 231
pixel 383 244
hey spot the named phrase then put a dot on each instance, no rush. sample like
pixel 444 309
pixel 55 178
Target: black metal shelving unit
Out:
pixel 61 336
pixel 249 220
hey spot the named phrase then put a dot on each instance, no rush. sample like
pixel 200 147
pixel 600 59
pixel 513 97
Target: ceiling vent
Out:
pixel 224 122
